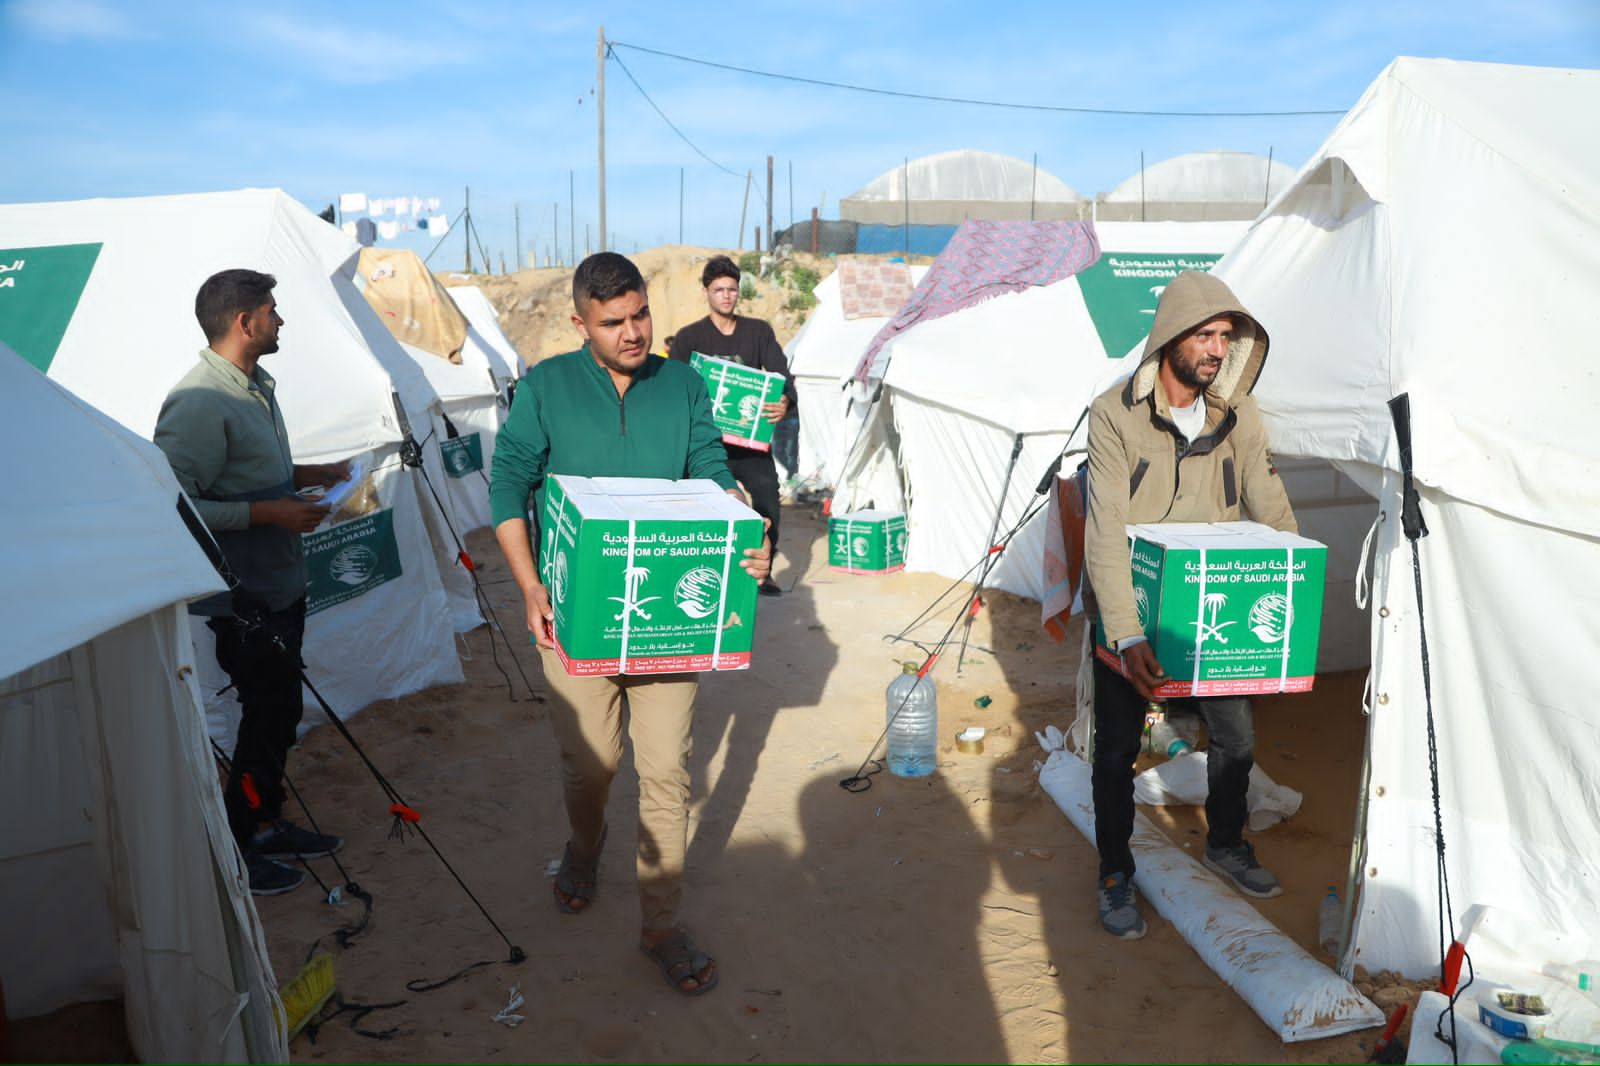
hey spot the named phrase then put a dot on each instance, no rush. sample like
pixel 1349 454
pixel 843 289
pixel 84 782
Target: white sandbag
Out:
pixel 1181 781
pixel 1298 997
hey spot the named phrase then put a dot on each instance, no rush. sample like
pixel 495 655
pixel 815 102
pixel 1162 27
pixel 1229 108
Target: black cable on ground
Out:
pixel 861 780
pixel 464 558
pixel 405 816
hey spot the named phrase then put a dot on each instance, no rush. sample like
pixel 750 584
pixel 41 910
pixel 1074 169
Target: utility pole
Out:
pixel 466 229
pixel 745 206
pixel 572 217
pixel 769 207
pixel 518 245
pixel 600 109
pixel 555 226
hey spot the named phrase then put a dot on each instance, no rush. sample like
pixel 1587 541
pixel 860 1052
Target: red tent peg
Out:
pixel 404 813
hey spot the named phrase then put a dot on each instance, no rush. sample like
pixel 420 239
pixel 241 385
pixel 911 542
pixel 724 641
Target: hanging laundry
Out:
pixel 349 229
pixel 351 202
pixel 388 229
pixel 438 225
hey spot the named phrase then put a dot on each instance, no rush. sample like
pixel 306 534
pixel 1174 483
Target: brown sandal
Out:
pixel 577 880
pixel 679 961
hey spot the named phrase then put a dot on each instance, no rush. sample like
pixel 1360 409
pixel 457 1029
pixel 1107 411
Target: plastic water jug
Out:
pixel 911 708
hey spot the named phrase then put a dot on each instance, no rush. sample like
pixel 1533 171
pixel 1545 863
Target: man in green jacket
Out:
pixel 611 410
pixel 1181 441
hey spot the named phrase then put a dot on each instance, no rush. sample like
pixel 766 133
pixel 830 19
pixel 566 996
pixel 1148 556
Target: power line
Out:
pixel 611 54
pixel 957 99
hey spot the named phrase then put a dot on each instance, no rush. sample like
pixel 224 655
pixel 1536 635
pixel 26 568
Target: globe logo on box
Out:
pixel 1141 603
pixel 558 577
pixel 1269 618
pixel 749 407
pixel 697 592
pixel 354 565
pixel 460 461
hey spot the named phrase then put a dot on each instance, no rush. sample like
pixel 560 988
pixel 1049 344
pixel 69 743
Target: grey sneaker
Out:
pixel 1119 908
pixel 1238 865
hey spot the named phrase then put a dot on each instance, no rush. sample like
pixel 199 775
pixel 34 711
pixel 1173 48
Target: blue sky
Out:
pixel 418 99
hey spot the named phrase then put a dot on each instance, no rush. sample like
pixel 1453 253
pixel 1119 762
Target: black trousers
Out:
pixel 1118 730
pixel 266 681
pixel 760 478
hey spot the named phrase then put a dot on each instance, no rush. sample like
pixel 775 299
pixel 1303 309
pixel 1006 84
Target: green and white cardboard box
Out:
pixel 1231 608
pixel 644 575
pixel 737 393
pixel 867 542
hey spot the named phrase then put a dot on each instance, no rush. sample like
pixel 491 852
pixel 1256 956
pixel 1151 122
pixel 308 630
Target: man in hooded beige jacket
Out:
pixel 1180 441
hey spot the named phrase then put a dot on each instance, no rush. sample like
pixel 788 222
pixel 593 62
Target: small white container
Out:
pixel 1519 1015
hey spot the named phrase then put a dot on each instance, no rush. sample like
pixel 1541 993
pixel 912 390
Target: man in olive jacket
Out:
pixel 1181 441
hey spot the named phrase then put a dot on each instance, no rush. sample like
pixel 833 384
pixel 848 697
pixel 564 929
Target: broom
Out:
pixel 309 992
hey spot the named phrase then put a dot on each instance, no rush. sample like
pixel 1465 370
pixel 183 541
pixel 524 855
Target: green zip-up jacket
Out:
pixel 568 419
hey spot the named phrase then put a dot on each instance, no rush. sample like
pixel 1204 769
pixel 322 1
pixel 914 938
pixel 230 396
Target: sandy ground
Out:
pixel 536 305
pixel 949 919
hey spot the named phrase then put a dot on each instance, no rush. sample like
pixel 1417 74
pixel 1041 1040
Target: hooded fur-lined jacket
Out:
pixel 1142 469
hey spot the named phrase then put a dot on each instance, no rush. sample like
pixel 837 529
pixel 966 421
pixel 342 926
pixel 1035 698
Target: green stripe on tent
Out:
pixel 39 291
pixel 1122 289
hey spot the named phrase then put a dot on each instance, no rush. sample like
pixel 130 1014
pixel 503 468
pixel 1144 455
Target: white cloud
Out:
pixel 355 57
pixel 69 20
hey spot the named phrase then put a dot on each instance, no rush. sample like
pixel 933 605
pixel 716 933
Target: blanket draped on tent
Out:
pixel 985 259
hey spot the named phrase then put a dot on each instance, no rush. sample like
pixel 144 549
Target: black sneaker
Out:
pixel 1119 908
pixel 288 841
pixel 1239 866
pixel 268 878
pixel 769 587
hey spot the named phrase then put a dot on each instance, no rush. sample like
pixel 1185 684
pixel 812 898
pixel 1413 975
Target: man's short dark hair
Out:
pixel 718 266
pixel 604 276
pixel 228 293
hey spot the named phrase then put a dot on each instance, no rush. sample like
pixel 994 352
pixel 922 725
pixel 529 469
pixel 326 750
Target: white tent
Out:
pixel 471 392
pixel 1017 371
pixel 118 875
pixel 102 297
pixel 823 357
pixel 1444 242
pixel 498 351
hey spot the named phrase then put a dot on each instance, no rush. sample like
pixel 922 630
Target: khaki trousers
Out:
pixel 586 715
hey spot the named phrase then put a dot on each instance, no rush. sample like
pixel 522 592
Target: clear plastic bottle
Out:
pixel 1330 916
pixel 1164 740
pixel 1159 736
pixel 911 708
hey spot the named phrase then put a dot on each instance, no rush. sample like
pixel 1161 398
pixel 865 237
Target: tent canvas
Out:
pixel 822 358
pixel 115 280
pixel 1016 372
pixel 122 879
pixel 469 379
pixel 1379 274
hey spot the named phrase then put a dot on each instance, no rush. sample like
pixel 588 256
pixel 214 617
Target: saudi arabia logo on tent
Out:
pixel 39 293
pixel 1121 291
pixel 462 455
pixel 354 565
pixel 350 559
